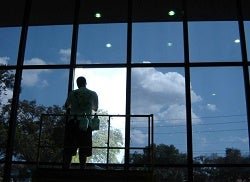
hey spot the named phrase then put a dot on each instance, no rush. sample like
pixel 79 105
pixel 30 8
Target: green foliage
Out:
pixel 52 134
pixel 7 82
pixel 169 155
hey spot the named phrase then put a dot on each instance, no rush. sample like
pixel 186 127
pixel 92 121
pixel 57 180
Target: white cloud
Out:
pixel 65 54
pixel 35 61
pixel 32 77
pixel 235 139
pixel 4 60
pixel 161 94
pixel 176 114
pixel 211 107
pixel 65 57
pixel 138 137
pixel 5 96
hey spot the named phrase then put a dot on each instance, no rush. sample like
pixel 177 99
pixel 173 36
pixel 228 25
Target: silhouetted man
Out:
pixel 78 133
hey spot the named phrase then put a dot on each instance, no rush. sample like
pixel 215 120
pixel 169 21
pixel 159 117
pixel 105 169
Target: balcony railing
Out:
pixel 106 140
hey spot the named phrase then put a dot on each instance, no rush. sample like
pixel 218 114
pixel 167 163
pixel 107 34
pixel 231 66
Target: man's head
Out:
pixel 81 82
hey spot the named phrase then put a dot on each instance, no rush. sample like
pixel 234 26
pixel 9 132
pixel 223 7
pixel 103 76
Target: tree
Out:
pixel 52 134
pixel 228 174
pixel 163 154
pixel 7 82
pixel 100 138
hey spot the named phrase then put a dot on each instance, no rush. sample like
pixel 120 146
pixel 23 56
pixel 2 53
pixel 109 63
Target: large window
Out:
pixel 140 56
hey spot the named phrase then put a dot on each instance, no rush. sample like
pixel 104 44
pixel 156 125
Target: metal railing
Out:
pixel 51 122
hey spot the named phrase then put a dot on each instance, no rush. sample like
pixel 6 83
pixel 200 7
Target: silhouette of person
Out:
pixel 78 133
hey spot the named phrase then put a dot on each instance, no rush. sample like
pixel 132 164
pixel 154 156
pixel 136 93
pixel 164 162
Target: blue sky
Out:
pixel 218 100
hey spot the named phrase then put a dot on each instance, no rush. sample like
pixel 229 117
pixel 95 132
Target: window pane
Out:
pixel 43 92
pixel 102 43
pixel 220 123
pixel 9 42
pixel 48 45
pixel 110 85
pixel 160 92
pixel 6 93
pixel 214 41
pixel 157 42
pixel 247 33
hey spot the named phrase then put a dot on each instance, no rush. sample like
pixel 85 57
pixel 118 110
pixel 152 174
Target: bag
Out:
pixel 95 123
pixel 84 123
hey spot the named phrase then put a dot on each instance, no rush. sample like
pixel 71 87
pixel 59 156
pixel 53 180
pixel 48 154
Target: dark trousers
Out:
pixel 76 139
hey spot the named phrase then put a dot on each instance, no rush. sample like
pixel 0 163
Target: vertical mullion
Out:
pixel 128 84
pixel 74 44
pixel 16 92
pixel 245 63
pixel 188 95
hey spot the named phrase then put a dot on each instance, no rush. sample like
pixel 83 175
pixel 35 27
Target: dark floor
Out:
pixel 93 175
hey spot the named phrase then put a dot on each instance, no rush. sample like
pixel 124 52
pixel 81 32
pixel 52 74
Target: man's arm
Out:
pixel 67 104
pixel 95 101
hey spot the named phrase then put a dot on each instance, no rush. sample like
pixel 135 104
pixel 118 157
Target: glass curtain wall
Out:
pixel 139 64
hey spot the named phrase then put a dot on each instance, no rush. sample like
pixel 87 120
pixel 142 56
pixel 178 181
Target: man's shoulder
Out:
pixel 90 91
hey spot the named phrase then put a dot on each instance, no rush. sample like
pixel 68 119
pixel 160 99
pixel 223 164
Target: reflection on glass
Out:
pixel 214 41
pixel 160 92
pixel 102 43
pixel 157 42
pixel 48 45
pixel 9 42
pixel 43 92
pixel 247 27
pixel 219 115
pixel 6 93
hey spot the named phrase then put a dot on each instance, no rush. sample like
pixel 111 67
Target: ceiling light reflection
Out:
pixel 98 15
pixel 171 13
pixel 108 45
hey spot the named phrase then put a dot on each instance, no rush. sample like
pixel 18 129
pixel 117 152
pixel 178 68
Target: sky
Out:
pixel 217 93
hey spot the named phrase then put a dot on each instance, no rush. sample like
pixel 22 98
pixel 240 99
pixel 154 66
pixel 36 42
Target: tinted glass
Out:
pixel 160 91
pixel 220 121
pixel 43 92
pixel 102 43
pixel 157 42
pixel 214 41
pixel 48 45
pixel 9 42
pixel 247 35
pixel 6 93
